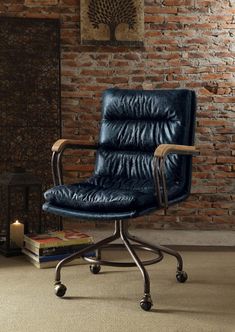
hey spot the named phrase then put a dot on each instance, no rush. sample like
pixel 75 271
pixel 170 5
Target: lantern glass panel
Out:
pixel 21 197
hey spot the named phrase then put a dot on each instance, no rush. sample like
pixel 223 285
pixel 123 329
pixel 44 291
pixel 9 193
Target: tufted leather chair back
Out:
pixel 135 122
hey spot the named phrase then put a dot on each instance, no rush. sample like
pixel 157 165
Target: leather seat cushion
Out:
pixel 103 194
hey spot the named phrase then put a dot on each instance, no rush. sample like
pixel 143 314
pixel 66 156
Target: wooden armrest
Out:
pixel 61 144
pixel 58 149
pixel 164 149
pixel 159 175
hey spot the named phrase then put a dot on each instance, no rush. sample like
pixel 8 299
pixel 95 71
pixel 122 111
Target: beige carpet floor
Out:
pixel 109 301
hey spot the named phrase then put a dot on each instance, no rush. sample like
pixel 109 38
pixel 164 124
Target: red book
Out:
pixel 58 239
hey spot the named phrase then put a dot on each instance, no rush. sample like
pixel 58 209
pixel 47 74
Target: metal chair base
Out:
pixel 121 232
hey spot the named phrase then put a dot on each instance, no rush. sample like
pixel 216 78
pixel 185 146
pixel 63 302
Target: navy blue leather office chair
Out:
pixel 143 163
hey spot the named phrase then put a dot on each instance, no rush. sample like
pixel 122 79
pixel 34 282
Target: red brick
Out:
pixel 213 212
pixel 224 219
pixel 69 2
pixel 153 19
pixel 160 10
pixel 178 2
pixel 41 2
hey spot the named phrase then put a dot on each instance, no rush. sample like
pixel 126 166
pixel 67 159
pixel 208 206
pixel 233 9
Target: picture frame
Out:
pixel 112 22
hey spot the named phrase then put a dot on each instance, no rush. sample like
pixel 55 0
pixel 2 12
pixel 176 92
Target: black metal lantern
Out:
pixel 20 209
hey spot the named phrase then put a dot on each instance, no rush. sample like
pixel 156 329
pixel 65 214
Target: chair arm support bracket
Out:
pixel 58 149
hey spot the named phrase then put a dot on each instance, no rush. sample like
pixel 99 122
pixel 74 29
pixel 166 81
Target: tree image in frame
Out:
pixel 112 13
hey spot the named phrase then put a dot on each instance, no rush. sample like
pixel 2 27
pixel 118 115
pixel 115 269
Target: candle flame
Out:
pixel 17 222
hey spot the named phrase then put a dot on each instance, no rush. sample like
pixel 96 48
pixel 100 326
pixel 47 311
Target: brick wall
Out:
pixel 188 44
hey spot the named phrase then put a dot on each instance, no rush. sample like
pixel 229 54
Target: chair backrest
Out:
pixel 135 122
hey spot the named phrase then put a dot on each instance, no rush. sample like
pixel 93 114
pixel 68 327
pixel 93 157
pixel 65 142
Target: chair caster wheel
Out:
pixel 146 303
pixel 95 268
pixel 60 289
pixel 181 276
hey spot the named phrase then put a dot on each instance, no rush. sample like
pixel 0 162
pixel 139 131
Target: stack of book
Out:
pixel 47 250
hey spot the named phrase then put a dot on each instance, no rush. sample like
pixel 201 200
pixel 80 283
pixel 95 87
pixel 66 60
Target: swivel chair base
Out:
pixel 121 232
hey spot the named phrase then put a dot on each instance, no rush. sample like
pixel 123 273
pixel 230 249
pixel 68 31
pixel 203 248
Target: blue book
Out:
pixel 54 259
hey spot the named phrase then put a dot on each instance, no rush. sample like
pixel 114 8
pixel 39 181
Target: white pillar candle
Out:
pixel 17 233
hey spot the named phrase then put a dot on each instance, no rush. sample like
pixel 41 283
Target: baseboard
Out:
pixel 181 239
pixel 201 248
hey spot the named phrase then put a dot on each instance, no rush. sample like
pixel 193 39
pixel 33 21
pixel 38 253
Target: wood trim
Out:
pixel 164 149
pixel 60 144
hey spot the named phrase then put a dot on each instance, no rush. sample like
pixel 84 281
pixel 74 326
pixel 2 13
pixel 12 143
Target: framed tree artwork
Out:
pixel 112 22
